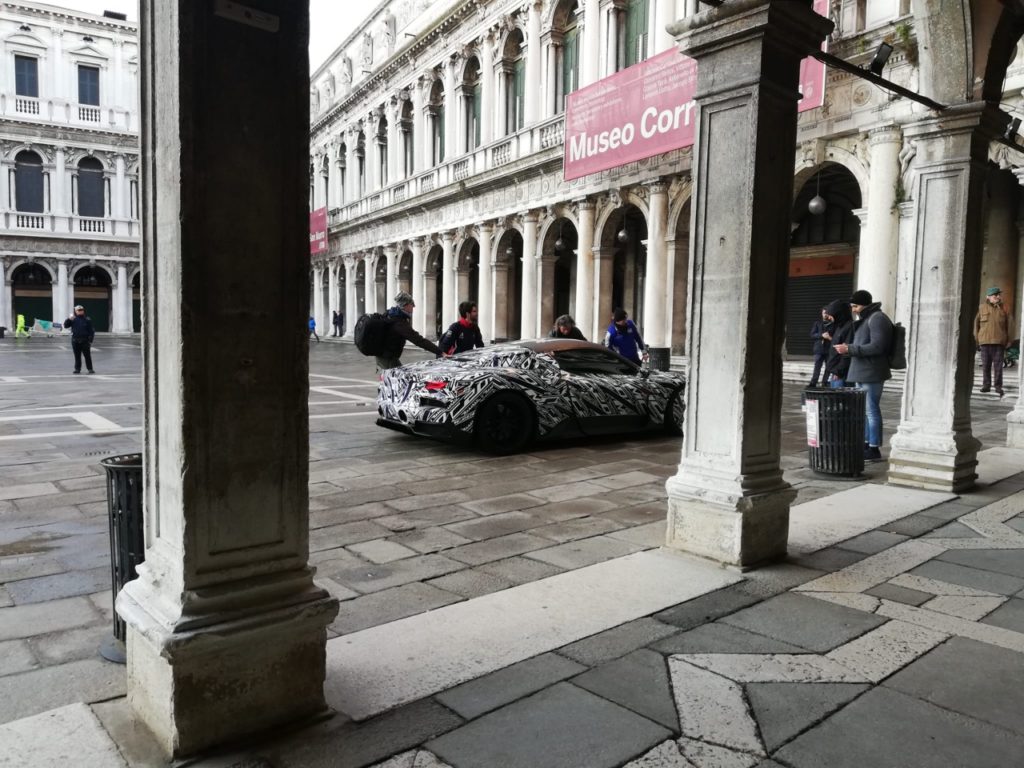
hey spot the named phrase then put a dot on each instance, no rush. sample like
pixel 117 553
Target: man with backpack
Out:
pixel 869 354
pixel 464 334
pixel 398 331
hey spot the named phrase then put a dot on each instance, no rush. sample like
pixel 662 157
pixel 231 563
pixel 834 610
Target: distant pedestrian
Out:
pixel 565 328
pixel 341 323
pixel 992 332
pixel 312 329
pixel 335 323
pixel 869 364
pixel 624 337
pixel 821 332
pixel 464 334
pixel 400 330
pixel 837 366
pixel 82 334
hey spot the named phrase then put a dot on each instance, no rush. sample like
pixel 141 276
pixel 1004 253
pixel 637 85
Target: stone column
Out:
pixel 373 153
pixel 529 305
pixel 1015 418
pixel 60 183
pixel 604 266
pixel 352 171
pixel 418 295
pixel 420 137
pixel 484 291
pixel 6 319
pixel 352 312
pixel 370 283
pixel 656 280
pixel 662 40
pixel 391 286
pixel 611 61
pixel 226 629
pixel 585 270
pixel 449 298
pixel 122 320
pixel 534 52
pixel 728 502
pixel 934 447
pixel 318 297
pixel 332 297
pixel 394 142
pixel 879 254
pixel 451 108
pixel 486 88
pixel 590 72
pixel 546 290
pixel 549 84
pixel 120 188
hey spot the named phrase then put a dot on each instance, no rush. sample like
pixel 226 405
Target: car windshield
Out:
pixel 594 361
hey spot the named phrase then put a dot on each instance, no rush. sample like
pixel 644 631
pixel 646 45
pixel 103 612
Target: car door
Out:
pixel 607 392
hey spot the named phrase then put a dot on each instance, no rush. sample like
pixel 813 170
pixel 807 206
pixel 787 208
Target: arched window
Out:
pixel 361 164
pixel 514 71
pixel 568 53
pixel 435 112
pixel 28 182
pixel 382 144
pixel 472 95
pixel 90 188
pixel 636 32
pixel 408 138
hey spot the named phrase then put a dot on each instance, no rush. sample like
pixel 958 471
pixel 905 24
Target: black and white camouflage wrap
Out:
pixel 440 398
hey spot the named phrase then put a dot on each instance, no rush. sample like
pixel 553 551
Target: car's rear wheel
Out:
pixel 675 413
pixel 505 423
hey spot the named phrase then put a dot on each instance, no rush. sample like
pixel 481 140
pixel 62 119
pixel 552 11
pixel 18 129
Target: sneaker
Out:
pixel 872 453
pixel 985 389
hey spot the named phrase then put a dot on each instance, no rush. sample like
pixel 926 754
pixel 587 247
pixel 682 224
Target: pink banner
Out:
pixel 318 231
pixel 648 109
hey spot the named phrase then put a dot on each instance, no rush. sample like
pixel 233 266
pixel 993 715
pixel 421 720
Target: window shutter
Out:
pixel 26 76
pixel 570 61
pixel 477 102
pixel 520 90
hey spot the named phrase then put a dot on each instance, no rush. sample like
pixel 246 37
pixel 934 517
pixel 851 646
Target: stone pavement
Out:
pixel 886 645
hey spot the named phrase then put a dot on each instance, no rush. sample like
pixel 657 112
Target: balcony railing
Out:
pixel 26 105
pixel 65 225
pixel 92 225
pixel 89 114
pixel 60 112
pixel 28 221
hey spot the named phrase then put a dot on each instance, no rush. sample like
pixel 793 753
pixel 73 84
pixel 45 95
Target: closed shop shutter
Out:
pixel 805 296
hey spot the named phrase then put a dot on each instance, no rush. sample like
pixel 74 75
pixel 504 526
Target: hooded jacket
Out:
pixel 401 330
pixel 842 333
pixel 869 351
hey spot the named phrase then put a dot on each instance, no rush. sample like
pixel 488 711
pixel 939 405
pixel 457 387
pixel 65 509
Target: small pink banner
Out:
pixel 318 231
pixel 648 109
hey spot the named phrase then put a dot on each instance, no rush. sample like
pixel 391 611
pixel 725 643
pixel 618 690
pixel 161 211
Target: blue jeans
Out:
pixel 873 423
pixel 837 383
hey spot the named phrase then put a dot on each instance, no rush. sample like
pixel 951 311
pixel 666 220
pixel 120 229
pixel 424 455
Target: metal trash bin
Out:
pixel 659 358
pixel 835 431
pixel 127 539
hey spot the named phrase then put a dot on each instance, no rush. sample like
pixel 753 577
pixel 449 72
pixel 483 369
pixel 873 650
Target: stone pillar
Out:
pixel 590 72
pixel 449 298
pixel 500 282
pixel 484 291
pixel 604 268
pixel 394 142
pixel 549 84
pixel 369 283
pixel 999 258
pixel 6 311
pixel 486 89
pixel 611 62
pixel 352 171
pixel 656 279
pixel 534 52
pixel 451 108
pixel 728 502
pixel 391 285
pixel 226 629
pixel 665 15
pixel 585 270
pixel 418 295
pixel 428 309
pixel 120 188
pixel 352 312
pixel 1015 418
pixel 122 320
pixel 546 291
pixel 332 297
pixel 934 447
pixel 530 307
pixel 879 247
pixel 373 153
pixel 317 310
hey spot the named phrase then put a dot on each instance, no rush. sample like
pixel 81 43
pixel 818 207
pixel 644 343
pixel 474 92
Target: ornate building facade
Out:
pixel 69 206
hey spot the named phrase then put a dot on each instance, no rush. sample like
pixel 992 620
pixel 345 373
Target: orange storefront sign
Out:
pixel 830 265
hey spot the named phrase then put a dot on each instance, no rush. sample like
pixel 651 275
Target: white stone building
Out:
pixel 437 150
pixel 69 206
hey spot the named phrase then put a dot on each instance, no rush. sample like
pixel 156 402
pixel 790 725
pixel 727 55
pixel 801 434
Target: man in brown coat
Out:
pixel 992 332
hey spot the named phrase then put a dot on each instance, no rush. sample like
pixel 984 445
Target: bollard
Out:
pixel 127 538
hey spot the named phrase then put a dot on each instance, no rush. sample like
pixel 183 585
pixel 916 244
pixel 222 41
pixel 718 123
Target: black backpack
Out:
pixel 371 333
pixel 898 348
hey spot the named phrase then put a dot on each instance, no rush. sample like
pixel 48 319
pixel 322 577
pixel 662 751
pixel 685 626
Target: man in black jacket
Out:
pixel 400 330
pixel 565 328
pixel 82 335
pixel 837 366
pixel 820 334
pixel 464 334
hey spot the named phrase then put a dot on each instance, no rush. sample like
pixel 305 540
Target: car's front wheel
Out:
pixel 505 423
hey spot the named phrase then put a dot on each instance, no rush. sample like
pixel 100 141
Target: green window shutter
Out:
pixel 520 93
pixel 440 134
pixel 477 101
pixel 570 62
pixel 636 31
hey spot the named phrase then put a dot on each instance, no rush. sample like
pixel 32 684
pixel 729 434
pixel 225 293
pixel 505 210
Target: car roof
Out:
pixel 559 345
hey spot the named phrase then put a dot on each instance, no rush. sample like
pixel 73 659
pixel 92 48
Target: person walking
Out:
pixel 820 334
pixel 464 334
pixel 312 329
pixel 400 330
pixel 992 332
pixel 565 328
pixel 837 366
pixel 869 364
pixel 82 334
pixel 624 337
pixel 20 329
pixel 335 322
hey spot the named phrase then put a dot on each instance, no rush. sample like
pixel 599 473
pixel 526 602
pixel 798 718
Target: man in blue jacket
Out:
pixel 82 335
pixel 624 337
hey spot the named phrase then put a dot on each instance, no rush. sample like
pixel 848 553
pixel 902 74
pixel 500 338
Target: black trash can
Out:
pixel 659 358
pixel 835 431
pixel 127 539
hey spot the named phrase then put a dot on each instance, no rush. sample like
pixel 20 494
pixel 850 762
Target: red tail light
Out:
pixel 435 386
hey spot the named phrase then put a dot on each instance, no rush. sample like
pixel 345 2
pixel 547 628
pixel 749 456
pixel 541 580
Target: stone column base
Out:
pixel 220 682
pixel 749 531
pixel 934 464
pixel 1015 428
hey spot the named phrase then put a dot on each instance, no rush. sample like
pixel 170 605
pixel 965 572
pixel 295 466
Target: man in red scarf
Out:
pixel 464 334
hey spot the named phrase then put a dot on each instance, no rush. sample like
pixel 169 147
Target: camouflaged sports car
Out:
pixel 508 395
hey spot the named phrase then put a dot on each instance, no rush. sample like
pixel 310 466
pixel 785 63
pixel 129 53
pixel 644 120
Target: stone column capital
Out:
pixel 657 187
pixel 585 204
pixel 885 134
pixel 862 214
pixel 531 216
pixel 448 237
pixel 390 251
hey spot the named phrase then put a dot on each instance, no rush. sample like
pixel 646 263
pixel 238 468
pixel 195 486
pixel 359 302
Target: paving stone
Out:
pixel 16 656
pixel 58 586
pixel 560 511
pixel 616 642
pixel 26 490
pixel 665 755
pixel 637 514
pixel 472 699
pixel 499 504
pixel 68 736
pixel 708 607
pixel 783 710
pixel 416 758
pixel 495 525
pixel 954 573
pixel 497 549
pixel 561 727
pixel 322 518
pixel 1010 615
pixel 567 491
pixel 900 594
pixel 914 525
pixel 471 583
pixel 953 531
pixel 872 542
pixel 29 693
pixel 805 622
pixel 390 605
pixel 375 578
pixel 427 500
pixel 69 645
pixel 627 480
pixel 949 510
pixel 722 638
pixel 381 551
pixel 886 729
pixel 1005 561
pixel 772 580
pixel 578 554
pixel 577 528
pixel 830 559
pixel 520 570
pixel 1016 523
pixel 41 618
pixel 337 590
pixel 638 681
pixel 651 535
pixel 334 536
pixel 429 540
pixel 425 518
pixel 5 597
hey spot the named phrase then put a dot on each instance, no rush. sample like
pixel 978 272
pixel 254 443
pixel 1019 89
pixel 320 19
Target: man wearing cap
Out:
pixel 82 335
pixel 869 364
pixel 400 330
pixel 992 332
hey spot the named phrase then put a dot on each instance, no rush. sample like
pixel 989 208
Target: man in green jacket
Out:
pixel 992 332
